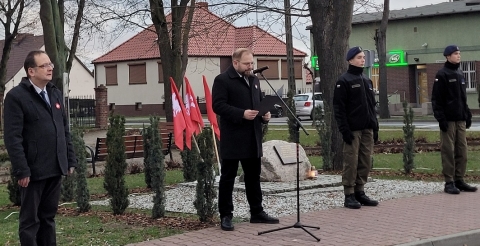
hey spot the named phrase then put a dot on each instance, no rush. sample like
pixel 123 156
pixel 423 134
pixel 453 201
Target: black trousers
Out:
pixel 38 210
pixel 251 168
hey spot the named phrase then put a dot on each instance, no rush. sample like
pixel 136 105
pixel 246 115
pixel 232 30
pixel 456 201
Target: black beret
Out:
pixel 450 49
pixel 353 52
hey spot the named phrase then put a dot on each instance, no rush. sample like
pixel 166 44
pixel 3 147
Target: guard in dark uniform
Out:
pixel 449 102
pixel 354 105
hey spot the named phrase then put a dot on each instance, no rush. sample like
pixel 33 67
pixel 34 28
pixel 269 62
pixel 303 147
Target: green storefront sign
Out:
pixel 395 58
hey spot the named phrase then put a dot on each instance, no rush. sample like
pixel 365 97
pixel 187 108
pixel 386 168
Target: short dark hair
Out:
pixel 30 59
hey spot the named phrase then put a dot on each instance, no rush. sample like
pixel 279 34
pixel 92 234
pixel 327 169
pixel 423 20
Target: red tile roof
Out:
pixel 210 36
pixel 21 46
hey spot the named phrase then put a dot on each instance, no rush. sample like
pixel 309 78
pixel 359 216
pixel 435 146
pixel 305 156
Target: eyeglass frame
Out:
pixel 246 63
pixel 46 65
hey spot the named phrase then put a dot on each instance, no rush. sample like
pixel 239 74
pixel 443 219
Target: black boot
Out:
pixel 226 223
pixel 364 199
pixel 461 185
pixel 263 217
pixel 350 202
pixel 450 188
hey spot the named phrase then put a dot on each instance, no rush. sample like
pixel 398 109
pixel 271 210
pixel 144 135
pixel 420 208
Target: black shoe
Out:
pixel 226 223
pixel 451 189
pixel 350 202
pixel 364 199
pixel 263 217
pixel 461 185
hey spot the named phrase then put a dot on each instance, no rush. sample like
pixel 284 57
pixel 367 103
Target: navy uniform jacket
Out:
pixel 231 96
pixel 354 102
pixel 36 136
pixel 449 99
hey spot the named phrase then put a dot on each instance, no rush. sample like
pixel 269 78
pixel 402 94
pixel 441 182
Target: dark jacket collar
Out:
pixel 26 83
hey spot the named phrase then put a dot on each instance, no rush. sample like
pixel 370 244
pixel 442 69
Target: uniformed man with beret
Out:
pixel 449 103
pixel 354 107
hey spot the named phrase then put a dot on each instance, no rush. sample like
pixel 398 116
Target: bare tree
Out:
pixel 173 43
pixel 381 43
pixel 331 30
pixel 11 13
pixel 52 16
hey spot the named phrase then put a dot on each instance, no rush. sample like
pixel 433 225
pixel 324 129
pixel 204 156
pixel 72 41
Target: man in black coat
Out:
pixel 38 142
pixel 354 106
pixel 236 94
pixel 449 103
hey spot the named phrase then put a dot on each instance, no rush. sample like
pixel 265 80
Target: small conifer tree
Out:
pixel 206 193
pixel 67 193
pixel 146 134
pixel 82 195
pixel 14 190
pixel 409 144
pixel 157 169
pixel 292 132
pixel 325 133
pixel 190 158
pixel 116 165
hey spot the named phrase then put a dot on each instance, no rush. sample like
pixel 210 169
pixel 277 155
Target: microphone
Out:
pixel 259 70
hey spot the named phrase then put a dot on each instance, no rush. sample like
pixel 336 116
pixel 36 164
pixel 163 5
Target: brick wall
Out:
pixel 399 81
pixel 101 107
pixel 432 70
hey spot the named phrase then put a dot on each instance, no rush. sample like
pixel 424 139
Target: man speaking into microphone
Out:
pixel 236 93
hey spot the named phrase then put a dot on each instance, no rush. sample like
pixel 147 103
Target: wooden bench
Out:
pixel 133 149
pixel 133 145
pixel 166 134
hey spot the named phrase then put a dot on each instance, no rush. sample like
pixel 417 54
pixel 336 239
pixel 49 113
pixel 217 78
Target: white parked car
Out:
pixel 304 103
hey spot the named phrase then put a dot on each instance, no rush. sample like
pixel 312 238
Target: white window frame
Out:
pixel 469 72
pixel 375 77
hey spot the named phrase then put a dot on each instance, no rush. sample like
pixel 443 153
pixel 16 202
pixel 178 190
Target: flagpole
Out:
pixel 196 147
pixel 216 150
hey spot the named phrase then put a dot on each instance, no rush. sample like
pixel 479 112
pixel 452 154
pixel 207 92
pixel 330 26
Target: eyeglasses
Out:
pixel 246 63
pixel 47 65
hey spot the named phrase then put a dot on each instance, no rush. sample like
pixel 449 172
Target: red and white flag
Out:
pixel 192 108
pixel 212 117
pixel 179 122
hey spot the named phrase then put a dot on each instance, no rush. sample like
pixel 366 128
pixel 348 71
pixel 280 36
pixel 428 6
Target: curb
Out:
pixel 463 238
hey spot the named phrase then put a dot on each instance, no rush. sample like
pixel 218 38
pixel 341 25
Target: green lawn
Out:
pixel 93 229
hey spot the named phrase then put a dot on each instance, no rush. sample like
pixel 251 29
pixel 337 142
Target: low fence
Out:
pixel 82 111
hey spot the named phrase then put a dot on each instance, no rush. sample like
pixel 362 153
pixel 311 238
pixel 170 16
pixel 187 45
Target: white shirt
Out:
pixel 38 90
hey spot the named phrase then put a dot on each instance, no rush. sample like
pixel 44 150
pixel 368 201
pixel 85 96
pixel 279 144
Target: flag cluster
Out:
pixel 187 116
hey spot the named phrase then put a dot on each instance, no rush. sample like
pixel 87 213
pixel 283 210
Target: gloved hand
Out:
pixel 468 123
pixel 443 126
pixel 375 136
pixel 348 137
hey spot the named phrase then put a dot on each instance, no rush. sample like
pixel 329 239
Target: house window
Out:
pixel 160 73
pixel 137 73
pixel 298 66
pixel 468 68
pixel 272 72
pixel 225 62
pixel 138 106
pixel 374 76
pixel 111 75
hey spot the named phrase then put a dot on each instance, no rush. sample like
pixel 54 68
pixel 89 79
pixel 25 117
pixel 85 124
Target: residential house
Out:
pixel 133 72
pixel 81 78
pixel 416 38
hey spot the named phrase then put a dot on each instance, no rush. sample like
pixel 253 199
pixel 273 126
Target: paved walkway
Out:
pixel 420 220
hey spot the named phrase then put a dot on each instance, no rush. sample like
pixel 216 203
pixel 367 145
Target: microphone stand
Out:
pixel 298 124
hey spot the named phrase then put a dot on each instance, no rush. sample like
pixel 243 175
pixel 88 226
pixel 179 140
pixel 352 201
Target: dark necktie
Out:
pixel 42 93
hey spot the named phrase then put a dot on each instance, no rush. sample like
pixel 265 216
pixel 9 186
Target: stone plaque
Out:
pixel 287 153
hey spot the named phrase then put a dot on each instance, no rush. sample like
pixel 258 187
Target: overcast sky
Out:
pixel 301 36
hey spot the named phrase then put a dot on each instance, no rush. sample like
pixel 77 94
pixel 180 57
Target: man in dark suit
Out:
pixel 40 149
pixel 236 93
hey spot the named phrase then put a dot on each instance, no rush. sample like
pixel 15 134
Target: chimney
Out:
pixel 202 5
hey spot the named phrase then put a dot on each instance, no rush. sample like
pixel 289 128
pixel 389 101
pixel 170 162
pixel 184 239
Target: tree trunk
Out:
pixel 172 46
pixel 331 29
pixel 381 43
pixel 289 42
pixel 54 38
